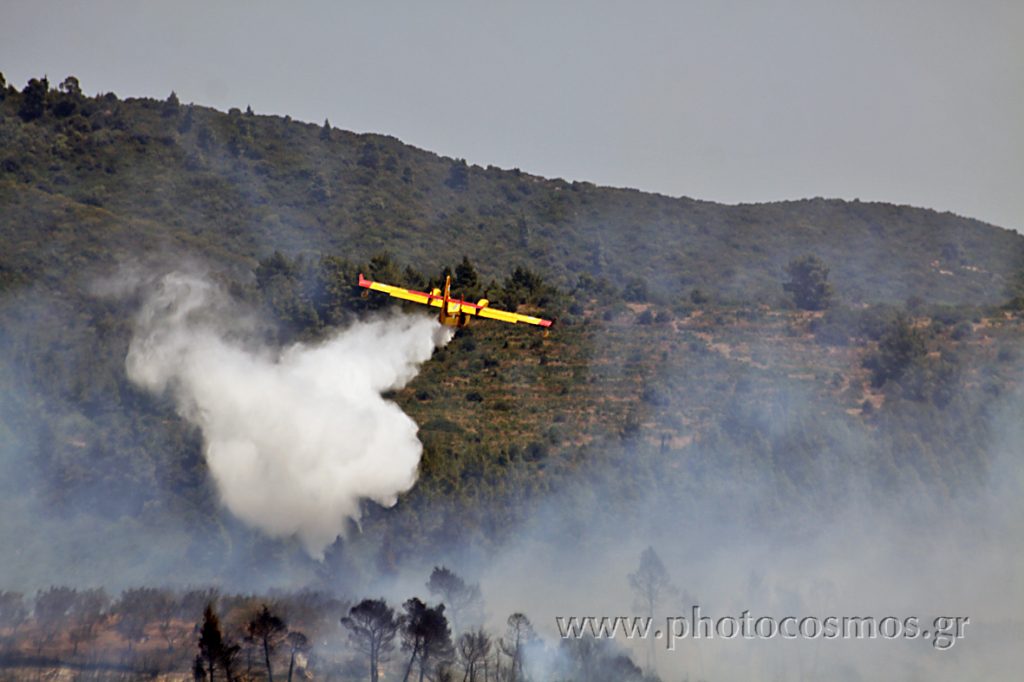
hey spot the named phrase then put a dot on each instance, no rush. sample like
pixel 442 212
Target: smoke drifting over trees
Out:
pixel 826 447
pixel 294 440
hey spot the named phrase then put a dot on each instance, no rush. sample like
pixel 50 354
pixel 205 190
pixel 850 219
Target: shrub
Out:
pixel 808 283
pixel 899 349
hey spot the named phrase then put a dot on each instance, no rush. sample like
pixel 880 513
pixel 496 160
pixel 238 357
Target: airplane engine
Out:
pixel 483 303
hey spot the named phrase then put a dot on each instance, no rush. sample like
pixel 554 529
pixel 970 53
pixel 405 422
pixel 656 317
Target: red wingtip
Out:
pixel 546 323
pixel 363 282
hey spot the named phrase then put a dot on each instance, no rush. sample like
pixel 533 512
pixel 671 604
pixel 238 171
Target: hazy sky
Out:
pixel 916 102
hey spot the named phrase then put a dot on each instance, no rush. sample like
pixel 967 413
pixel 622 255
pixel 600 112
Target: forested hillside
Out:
pixel 654 296
pixel 695 353
pixel 91 178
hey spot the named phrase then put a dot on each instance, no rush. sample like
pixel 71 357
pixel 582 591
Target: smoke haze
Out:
pixel 293 439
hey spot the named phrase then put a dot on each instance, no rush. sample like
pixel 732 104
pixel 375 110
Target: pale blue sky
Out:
pixel 909 101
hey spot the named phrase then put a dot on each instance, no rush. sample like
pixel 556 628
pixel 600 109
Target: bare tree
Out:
pixel 582 652
pixel 597 660
pixel 52 609
pixel 463 600
pixel 165 610
pixel 297 643
pixel 87 612
pixel 651 585
pixel 518 634
pixel 492 664
pixel 473 648
pixel 135 609
pixel 192 603
pixel 13 613
pixel 412 636
pixel 372 628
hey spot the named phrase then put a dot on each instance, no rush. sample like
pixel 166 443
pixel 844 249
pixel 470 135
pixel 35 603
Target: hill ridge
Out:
pixel 252 184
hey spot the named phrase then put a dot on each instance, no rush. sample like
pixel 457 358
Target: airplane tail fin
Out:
pixel 444 316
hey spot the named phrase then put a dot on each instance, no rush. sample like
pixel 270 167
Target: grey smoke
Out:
pixel 294 439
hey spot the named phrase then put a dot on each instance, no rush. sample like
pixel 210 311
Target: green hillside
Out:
pixel 679 361
pixel 85 180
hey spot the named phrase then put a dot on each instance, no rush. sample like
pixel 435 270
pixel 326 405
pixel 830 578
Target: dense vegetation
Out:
pixel 697 343
pixel 86 180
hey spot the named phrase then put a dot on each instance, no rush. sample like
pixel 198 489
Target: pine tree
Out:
pixel 372 628
pixel 266 629
pixel 213 650
pixel 33 99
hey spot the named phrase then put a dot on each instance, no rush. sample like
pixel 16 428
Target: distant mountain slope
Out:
pixel 88 179
pixel 669 397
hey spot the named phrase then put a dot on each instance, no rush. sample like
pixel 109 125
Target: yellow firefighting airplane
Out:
pixel 454 312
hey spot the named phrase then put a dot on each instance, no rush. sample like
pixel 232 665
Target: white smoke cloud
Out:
pixel 294 439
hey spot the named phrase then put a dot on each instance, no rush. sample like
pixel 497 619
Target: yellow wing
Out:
pixel 399 292
pixel 454 305
pixel 482 309
pixel 506 316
